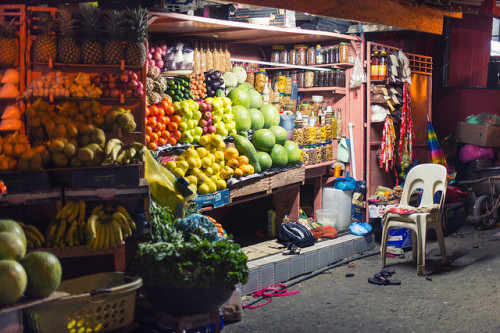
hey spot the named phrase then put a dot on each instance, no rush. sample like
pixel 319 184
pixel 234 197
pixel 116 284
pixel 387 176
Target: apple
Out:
pixel 216 118
pixel 183 126
pixel 205 130
pixel 138 93
pixel 133 76
pixel 132 84
pixel 203 123
pixel 128 93
pixel 222 131
pixel 149 56
pixel 207 115
pixel 212 129
pixel 140 85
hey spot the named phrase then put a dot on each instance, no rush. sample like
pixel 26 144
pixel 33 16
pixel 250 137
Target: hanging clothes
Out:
pixel 387 147
pixel 406 134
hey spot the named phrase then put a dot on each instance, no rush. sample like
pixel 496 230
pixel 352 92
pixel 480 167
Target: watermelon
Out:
pixel 242 118
pixel 257 119
pixel 14 227
pixel 271 115
pixel 263 140
pixel 44 273
pixel 265 160
pixel 293 151
pixel 279 133
pixel 279 156
pixel 255 98
pixel 239 97
pixel 11 246
pixel 13 280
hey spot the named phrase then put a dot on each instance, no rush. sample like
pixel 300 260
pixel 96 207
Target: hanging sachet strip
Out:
pixel 406 131
pixel 387 147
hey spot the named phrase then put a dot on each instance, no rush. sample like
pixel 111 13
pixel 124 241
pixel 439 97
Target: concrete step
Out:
pixel 270 266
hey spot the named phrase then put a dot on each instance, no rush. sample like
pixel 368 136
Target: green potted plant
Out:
pixel 188 267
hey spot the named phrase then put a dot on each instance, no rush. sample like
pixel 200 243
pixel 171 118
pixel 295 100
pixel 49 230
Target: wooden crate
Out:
pixel 250 186
pixel 287 177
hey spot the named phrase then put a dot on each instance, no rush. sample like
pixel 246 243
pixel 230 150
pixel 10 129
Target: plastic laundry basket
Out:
pixel 96 303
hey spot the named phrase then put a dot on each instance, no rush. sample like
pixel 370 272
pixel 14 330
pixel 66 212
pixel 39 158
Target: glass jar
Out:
pixel 275 56
pixel 281 80
pixel 301 56
pixel 337 78
pixel 309 79
pixel 292 57
pixel 315 78
pixel 331 78
pixel 311 56
pixel 335 55
pixel 328 129
pixel 301 82
pixel 260 80
pixel 295 75
pixel 288 83
pixel 305 109
pixel 341 78
pixel 321 79
pixel 344 52
pixel 284 56
pixel 251 78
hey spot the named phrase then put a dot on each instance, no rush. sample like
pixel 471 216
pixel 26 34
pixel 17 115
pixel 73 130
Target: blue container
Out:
pixel 399 238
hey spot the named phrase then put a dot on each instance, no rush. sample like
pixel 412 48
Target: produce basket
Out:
pixel 96 303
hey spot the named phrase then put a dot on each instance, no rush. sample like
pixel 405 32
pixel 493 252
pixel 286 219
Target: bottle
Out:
pixel 227 59
pixel 338 117
pixel 266 92
pixel 209 57
pixel 374 66
pixel 271 223
pixel 382 66
pixel 203 58
pixel 295 91
pixel 312 119
pixel 319 55
pixel 334 123
pixel 196 58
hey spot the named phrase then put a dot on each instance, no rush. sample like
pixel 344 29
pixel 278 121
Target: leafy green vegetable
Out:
pixel 187 259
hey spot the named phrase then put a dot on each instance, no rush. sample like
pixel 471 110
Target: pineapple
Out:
pixel 68 51
pixel 135 52
pixel 8 46
pixel 92 52
pixel 45 46
pixel 115 26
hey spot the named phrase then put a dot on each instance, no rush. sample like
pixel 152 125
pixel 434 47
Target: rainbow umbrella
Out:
pixel 437 156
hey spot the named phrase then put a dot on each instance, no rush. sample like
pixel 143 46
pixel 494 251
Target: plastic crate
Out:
pixel 96 303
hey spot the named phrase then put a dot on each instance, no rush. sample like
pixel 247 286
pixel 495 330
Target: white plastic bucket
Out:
pixel 341 202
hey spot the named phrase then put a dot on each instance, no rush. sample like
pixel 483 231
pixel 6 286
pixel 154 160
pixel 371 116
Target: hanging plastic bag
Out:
pixel 358 74
pixel 165 189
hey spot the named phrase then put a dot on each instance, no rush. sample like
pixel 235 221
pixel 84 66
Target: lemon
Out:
pixel 184 165
pixel 212 187
pixel 202 152
pixel 216 168
pixel 221 146
pixel 178 172
pixel 205 139
pixel 180 158
pixel 208 147
pixel 209 171
pixel 219 156
pixel 198 163
pixel 195 171
pixel 191 152
pixel 214 178
pixel 201 178
pixel 216 140
pixel 192 180
pixel 192 162
pixel 211 157
pixel 171 165
pixel 206 162
pixel 203 188
pixel 221 184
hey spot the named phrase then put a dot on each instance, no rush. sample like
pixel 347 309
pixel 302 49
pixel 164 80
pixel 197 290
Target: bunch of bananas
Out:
pixel 68 228
pixel 34 237
pixel 108 228
pixel 119 153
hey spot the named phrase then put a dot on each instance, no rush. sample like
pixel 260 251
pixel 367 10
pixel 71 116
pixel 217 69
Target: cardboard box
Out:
pixel 279 17
pixel 480 135
pixel 19 182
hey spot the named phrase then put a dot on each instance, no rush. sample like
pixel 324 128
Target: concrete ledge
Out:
pixel 278 268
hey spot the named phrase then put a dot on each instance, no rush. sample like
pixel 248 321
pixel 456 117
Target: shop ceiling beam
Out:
pixel 386 12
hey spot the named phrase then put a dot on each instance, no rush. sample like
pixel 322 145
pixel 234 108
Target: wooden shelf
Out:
pixel 334 90
pixel 30 198
pixel 140 191
pixel 47 66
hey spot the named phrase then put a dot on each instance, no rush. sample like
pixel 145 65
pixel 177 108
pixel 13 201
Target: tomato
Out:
pixel 169 110
pixel 176 118
pixel 172 126
pixel 152 146
pixel 172 141
pixel 154 137
pixel 165 134
pixel 176 134
pixel 161 142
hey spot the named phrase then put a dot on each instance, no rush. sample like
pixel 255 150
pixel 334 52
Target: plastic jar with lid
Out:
pixel 281 81
pixel 284 56
pixel 309 79
pixel 275 54
pixel 343 52
pixel 260 80
pixel 311 56
pixel 292 57
pixel 321 78
pixel 305 109
pixel 288 83
pixel 301 80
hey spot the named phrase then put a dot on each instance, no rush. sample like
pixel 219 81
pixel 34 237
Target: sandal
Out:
pixel 383 281
pixel 384 273
pixel 292 249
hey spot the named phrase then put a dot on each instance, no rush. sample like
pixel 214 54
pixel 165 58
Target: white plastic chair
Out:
pixel 430 178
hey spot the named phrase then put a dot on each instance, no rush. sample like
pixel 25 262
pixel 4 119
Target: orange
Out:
pixel 161 142
pixel 165 134
pixel 153 110
pixel 148 138
pixel 149 129
pixel 176 134
pixel 152 146
pixel 152 121
pixel 160 112
pixel 169 110
pixel 172 141
pixel 172 126
pixel 243 160
pixel 176 118
pixel 154 137
pixel 230 152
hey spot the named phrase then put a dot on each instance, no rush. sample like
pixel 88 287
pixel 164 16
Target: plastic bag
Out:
pixel 379 113
pixel 360 229
pixel 358 74
pixel 293 233
pixel 345 184
pixel 484 119
pixel 472 152
pixel 164 187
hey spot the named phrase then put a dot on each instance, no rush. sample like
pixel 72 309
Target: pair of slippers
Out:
pixel 291 249
pixel 382 278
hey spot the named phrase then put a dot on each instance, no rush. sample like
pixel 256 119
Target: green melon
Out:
pixel 293 151
pixel 245 86
pixel 271 115
pixel 279 156
pixel 44 273
pixel 242 118
pixel 255 98
pixel 279 133
pixel 257 119
pixel 11 246
pixel 239 97
pixel 265 160
pixel 263 140
pixel 13 280
pixel 14 227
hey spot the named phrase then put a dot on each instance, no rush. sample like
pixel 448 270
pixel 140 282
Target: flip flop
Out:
pixel 382 281
pixel 384 273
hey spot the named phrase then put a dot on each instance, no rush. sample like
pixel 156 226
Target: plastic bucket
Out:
pixel 327 217
pixel 341 201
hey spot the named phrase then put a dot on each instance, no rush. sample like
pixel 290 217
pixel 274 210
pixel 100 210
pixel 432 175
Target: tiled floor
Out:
pixel 262 249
